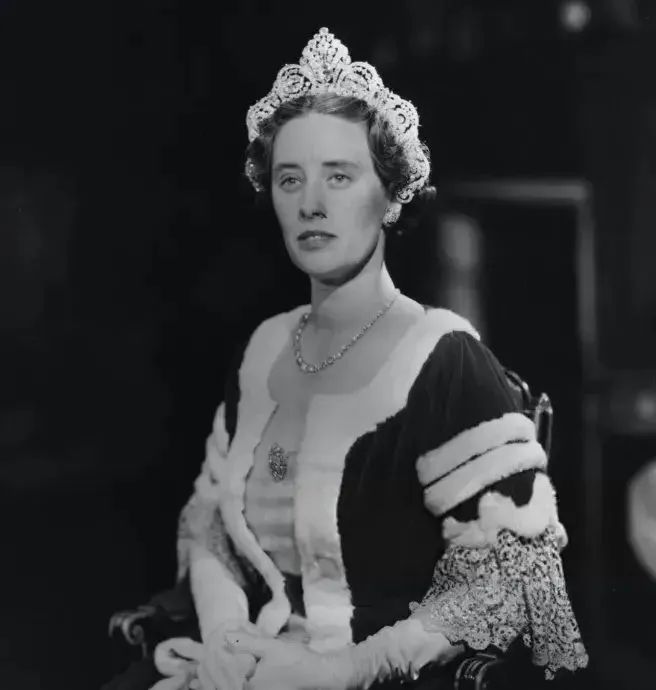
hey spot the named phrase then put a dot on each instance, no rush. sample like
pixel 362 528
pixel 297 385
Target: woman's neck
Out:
pixel 347 307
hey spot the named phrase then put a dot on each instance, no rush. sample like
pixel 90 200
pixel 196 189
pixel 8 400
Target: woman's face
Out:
pixel 327 196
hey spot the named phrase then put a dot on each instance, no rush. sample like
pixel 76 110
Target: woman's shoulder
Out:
pixel 439 335
pixel 451 361
pixel 441 321
pixel 462 376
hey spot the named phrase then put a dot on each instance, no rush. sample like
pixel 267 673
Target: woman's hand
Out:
pixel 223 667
pixel 285 665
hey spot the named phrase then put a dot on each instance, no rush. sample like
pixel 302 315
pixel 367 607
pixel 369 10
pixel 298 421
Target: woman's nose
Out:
pixel 312 202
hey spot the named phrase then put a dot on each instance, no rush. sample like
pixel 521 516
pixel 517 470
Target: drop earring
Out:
pixel 392 214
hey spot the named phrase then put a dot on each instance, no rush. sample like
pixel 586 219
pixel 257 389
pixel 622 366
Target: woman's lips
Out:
pixel 313 233
pixel 314 239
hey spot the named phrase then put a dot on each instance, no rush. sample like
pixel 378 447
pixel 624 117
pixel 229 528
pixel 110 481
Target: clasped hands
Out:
pixel 244 659
pixel 239 657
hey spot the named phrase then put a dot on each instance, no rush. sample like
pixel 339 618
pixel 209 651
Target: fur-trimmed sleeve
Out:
pixel 200 520
pixel 474 432
pixel 484 476
pixel 501 577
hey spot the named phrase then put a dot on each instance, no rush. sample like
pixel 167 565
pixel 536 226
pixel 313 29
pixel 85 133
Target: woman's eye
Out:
pixel 288 181
pixel 340 178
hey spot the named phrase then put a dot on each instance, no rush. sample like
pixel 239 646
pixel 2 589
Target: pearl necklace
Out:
pixel 308 368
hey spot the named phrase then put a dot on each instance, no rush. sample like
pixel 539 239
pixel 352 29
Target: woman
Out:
pixel 372 501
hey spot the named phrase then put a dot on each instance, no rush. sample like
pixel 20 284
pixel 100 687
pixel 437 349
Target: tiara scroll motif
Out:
pixel 325 67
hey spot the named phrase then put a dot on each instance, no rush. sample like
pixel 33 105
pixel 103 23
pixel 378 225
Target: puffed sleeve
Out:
pixel 484 477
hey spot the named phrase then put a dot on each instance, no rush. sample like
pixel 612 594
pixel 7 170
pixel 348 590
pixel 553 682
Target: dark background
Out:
pixel 132 259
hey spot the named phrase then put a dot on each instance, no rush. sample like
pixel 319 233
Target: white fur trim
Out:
pixel 216 451
pixel 480 439
pixel 173 657
pixel 254 411
pixel 200 508
pixel 486 469
pixel 320 464
pixel 277 542
pixel 497 512
pixel 217 597
pixel 333 424
pixel 219 434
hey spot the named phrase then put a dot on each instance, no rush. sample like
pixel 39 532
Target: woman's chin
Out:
pixel 326 267
pixel 317 263
pixel 327 274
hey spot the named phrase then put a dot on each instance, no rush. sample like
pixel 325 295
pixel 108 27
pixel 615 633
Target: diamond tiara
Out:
pixel 325 67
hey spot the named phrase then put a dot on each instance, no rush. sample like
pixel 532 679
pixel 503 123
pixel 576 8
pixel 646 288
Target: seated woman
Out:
pixel 373 501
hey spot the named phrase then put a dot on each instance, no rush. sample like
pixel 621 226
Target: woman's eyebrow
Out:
pixel 343 163
pixel 339 163
pixel 283 166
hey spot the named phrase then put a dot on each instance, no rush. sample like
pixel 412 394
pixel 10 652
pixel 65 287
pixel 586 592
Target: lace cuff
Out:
pixel 201 523
pixel 486 597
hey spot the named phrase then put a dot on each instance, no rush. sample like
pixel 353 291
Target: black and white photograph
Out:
pixel 328 345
